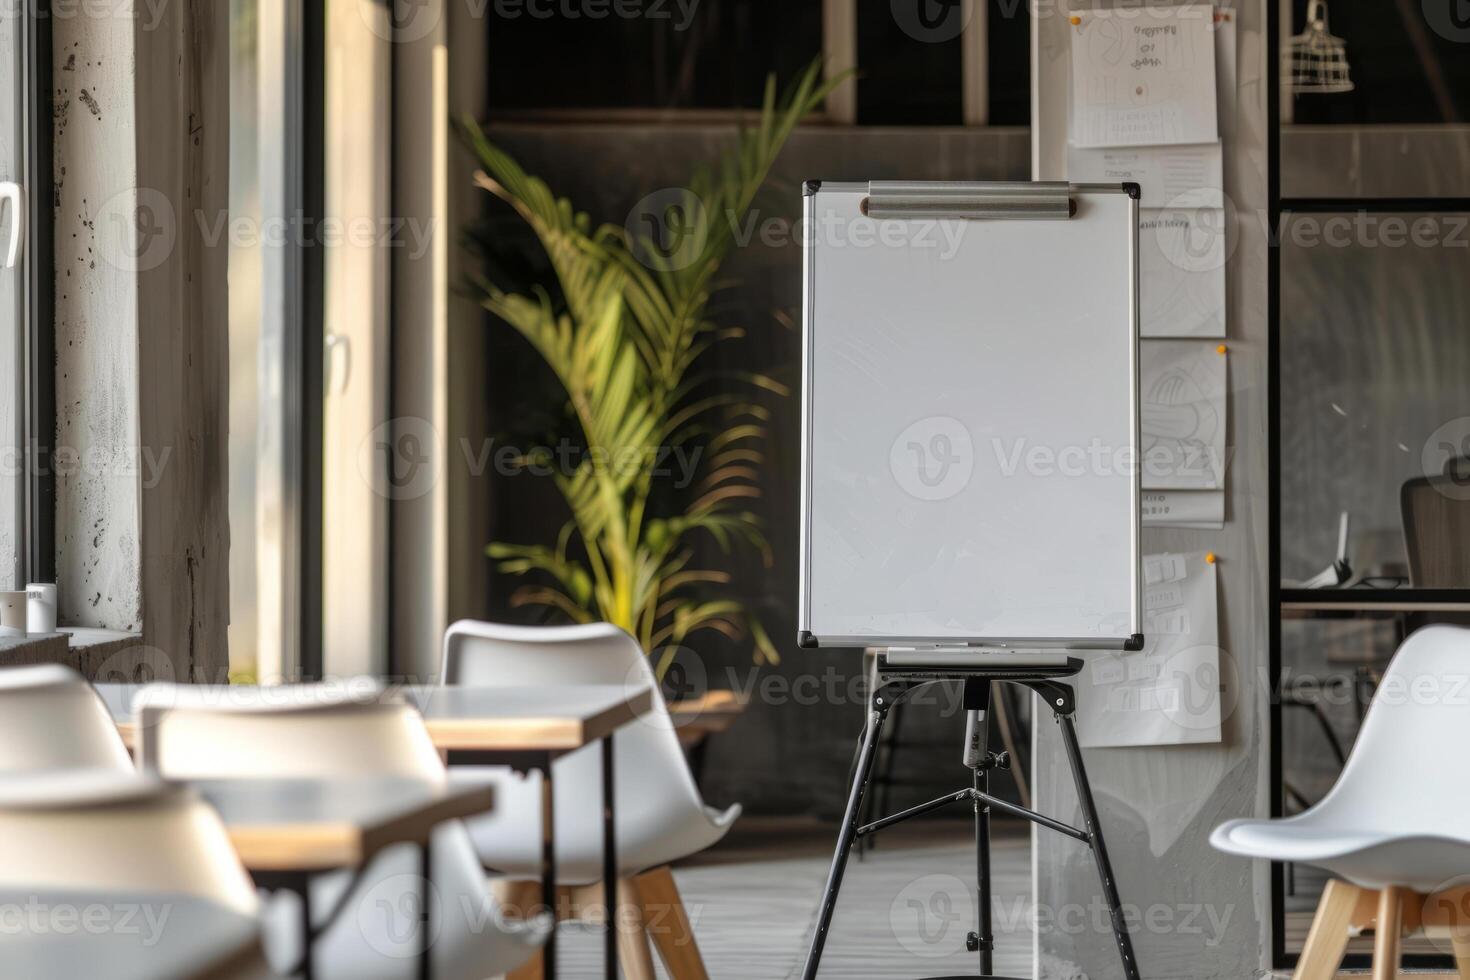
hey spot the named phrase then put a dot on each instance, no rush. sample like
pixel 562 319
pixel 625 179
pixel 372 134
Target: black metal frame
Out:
pixel 894 684
pixel 40 533
pixel 541 761
pixel 309 524
pixel 1276 207
pixel 299 884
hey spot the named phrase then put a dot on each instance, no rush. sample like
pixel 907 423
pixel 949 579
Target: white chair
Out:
pixel 99 834
pixel 317 731
pixel 1393 831
pixel 50 718
pixel 661 816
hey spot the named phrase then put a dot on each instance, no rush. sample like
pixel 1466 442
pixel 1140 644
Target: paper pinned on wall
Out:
pixel 1182 387
pixel 1168 693
pixel 1204 509
pixel 1181 272
pixel 1144 75
pixel 1182 176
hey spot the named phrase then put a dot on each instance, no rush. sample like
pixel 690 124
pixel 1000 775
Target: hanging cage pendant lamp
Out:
pixel 1316 60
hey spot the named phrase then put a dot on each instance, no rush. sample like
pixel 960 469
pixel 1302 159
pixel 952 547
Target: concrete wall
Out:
pixel 142 172
pixel 439 351
pixel 98 507
pixel 1158 805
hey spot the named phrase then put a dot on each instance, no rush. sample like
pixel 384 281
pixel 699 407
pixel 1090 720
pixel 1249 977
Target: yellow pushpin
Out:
pixel 1210 557
pixel 1221 349
pixel 1075 20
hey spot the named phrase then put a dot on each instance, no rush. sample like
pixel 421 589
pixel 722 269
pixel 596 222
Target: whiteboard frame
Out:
pixel 809 640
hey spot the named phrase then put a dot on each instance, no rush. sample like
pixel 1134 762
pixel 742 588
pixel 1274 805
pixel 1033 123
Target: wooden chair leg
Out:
pixel 520 899
pixel 1388 927
pixel 633 952
pixel 530 970
pixel 1461 941
pixel 667 922
pixel 1447 913
pixel 1328 938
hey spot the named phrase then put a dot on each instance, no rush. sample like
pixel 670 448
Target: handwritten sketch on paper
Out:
pixel 1181 272
pixel 1182 388
pixel 1144 75
pixel 1184 508
pixel 1169 692
pixel 1182 176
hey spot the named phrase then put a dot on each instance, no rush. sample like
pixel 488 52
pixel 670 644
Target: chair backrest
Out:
pixel 1401 772
pixel 648 756
pixel 1436 516
pixel 50 718
pixel 106 830
pixel 302 731
pixel 326 732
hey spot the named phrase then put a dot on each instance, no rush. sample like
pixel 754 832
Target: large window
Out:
pixel 12 302
pixel 25 302
pixel 1407 62
pixel 1371 461
pixel 921 62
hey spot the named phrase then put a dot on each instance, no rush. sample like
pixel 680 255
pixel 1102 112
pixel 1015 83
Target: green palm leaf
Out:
pixel 625 341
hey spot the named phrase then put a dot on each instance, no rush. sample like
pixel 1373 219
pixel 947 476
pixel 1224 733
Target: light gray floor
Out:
pixel 904 910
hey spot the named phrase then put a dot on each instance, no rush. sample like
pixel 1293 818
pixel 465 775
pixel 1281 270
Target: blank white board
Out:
pixel 970 424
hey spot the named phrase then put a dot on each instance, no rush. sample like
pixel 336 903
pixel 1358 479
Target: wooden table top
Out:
pixel 709 714
pixel 485 719
pixel 319 825
pixel 125 935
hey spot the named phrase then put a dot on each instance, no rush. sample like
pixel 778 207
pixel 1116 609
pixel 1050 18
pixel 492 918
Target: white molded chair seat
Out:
pixel 51 718
pixel 661 816
pixel 319 731
pixel 648 834
pixel 1396 816
pixel 104 829
pixel 93 837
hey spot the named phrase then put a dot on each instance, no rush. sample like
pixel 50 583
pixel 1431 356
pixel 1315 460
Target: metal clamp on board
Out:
pixel 969 200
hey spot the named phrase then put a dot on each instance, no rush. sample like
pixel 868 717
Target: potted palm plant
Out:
pixel 627 338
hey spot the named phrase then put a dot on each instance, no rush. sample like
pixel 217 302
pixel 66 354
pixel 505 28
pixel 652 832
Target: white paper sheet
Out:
pixel 1144 76
pixel 1203 509
pixel 1182 388
pixel 1181 272
pixel 1168 693
pixel 1182 176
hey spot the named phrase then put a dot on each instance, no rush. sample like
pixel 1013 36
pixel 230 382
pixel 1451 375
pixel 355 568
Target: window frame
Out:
pixel 31 381
pixel 40 531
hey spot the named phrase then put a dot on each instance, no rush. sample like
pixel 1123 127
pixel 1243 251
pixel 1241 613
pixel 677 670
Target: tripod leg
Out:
pixel 978 699
pixel 871 734
pixel 1099 847
pixel 982 874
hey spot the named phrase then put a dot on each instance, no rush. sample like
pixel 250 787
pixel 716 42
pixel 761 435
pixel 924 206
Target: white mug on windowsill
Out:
pixel 12 614
pixel 41 608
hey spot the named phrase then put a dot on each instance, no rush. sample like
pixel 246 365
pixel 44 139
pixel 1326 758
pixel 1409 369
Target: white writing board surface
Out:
pixel 970 412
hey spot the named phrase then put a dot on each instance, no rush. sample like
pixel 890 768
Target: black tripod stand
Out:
pixel 893 683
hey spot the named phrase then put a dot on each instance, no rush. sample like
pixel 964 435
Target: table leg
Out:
pixel 426 911
pixel 302 887
pixel 548 865
pixel 609 862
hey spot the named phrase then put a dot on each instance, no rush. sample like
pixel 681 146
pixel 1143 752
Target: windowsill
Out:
pixel 37 648
pixel 97 653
